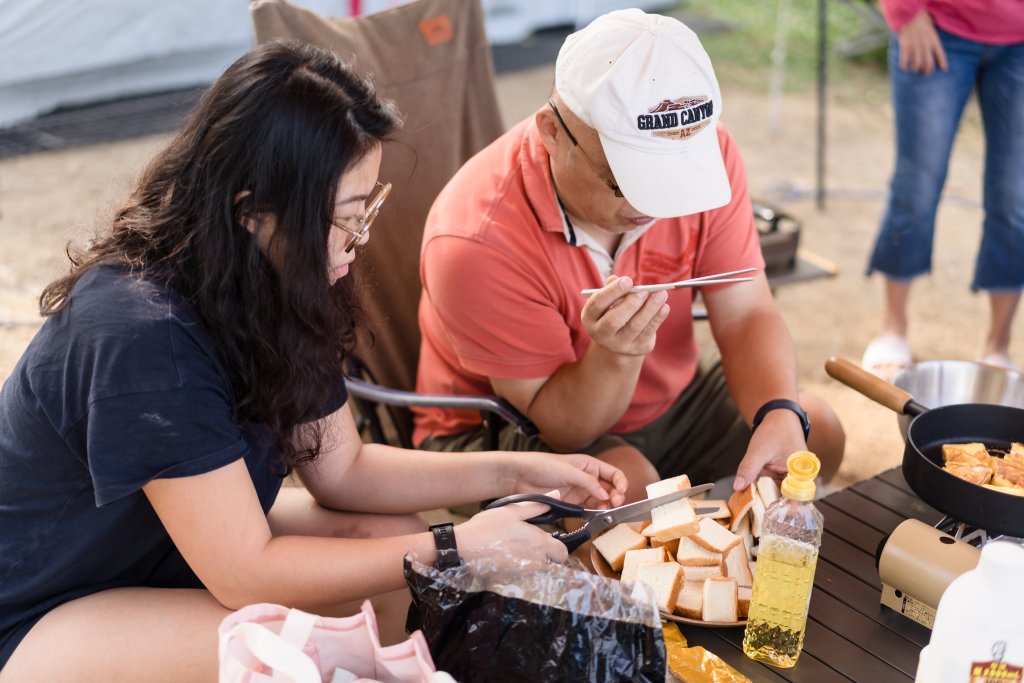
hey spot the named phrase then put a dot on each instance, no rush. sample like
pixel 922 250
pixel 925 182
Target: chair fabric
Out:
pixel 433 59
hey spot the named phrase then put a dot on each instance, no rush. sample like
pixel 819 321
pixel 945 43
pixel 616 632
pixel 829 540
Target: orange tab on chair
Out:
pixel 437 30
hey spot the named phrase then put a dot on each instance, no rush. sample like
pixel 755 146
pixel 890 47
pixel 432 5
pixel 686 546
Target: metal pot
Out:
pixel 995 426
pixel 938 383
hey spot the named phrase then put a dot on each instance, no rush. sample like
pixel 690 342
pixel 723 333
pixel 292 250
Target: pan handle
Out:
pixel 872 386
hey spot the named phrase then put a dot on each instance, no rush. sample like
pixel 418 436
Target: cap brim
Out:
pixel 669 185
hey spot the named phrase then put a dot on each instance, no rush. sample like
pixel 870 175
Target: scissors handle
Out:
pixel 559 509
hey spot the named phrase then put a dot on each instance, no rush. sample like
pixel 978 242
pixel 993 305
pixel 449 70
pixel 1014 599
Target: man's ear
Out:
pixel 548 128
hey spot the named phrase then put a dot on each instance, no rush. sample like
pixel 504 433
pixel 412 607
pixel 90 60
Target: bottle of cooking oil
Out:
pixel 786 560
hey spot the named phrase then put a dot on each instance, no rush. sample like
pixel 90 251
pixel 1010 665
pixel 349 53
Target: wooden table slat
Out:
pixel 859 596
pixel 851 529
pixel 849 659
pixel 869 634
pixel 866 510
pixel 853 560
pixel 896 478
pixel 910 506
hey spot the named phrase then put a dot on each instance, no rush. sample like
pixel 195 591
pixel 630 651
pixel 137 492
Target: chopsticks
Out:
pixel 716 279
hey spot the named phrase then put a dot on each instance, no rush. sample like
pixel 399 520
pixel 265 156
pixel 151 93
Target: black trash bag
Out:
pixel 530 621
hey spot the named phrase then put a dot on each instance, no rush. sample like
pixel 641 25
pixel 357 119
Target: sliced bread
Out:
pixel 690 553
pixel 735 564
pixel 635 558
pixel 720 600
pixel 690 601
pixel 614 543
pixel 739 506
pixel 667 486
pixel 664 581
pixel 768 490
pixel 691 573
pixel 672 521
pixel 714 537
pixel 743 601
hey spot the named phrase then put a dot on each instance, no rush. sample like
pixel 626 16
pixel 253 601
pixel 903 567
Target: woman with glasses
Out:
pixel 188 361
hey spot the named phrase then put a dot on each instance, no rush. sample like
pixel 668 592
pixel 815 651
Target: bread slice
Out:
pixel 614 543
pixel 692 554
pixel 735 564
pixel 1015 457
pixel 664 581
pixel 721 602
pixel 743 601
pixel 667 486
pixel 1006 474
pixel 639 526
pixel 695 573
pixel 739 506
pixel 744 533
pixel 768 490
pixel 757 509
pixel 715 537
pixel 690 601
pixel 721 513
pixel 635 558
pixel 671 547
pixel 975 451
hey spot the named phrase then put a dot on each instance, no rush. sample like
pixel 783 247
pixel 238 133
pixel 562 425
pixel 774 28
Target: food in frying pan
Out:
pixel 973 462
pixel 698 568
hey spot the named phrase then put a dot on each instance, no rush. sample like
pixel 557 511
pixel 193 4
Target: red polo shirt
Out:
pixel 501 285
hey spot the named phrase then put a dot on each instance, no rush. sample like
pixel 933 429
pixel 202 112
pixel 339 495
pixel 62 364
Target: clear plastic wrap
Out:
pixel 505 619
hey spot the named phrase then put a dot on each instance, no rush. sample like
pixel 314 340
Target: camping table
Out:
pixel 850 636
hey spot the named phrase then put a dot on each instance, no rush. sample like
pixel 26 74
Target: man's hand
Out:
pixel 623 322
pixel 778 436
pixel 920 48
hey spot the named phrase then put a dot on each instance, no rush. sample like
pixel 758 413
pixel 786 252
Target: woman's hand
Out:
pixel 579 479
pixel 920 48
pixel 505 528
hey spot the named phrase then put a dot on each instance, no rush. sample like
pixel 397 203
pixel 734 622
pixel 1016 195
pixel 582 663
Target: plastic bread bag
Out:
pixel 516 620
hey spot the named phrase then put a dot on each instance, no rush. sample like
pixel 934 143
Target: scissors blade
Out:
pixel 642 509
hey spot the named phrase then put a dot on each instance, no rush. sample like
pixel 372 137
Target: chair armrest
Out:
pixel 407 399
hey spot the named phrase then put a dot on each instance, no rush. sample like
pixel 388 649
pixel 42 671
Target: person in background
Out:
pixel 189 360
pixel 941 52
pixel 624 177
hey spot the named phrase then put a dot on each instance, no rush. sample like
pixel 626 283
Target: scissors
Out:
pixel 597 520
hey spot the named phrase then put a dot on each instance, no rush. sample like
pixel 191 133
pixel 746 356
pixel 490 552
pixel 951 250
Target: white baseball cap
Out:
pixel 646 85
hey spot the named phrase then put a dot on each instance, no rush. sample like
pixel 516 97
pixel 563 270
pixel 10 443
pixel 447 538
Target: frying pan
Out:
pixel 993 425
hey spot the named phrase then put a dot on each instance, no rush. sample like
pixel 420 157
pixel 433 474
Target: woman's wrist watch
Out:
pixel 785 404
pixel 444 541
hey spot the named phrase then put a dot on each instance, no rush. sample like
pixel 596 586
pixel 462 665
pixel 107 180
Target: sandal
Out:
pixel 886 355
pixel 999 360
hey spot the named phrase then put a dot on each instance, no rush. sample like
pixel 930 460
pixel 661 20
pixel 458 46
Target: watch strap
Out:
pixel 444 541
pixel 785 404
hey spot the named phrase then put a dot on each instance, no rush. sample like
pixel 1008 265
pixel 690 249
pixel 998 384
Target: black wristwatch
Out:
pixel 447 551
pixel 786 404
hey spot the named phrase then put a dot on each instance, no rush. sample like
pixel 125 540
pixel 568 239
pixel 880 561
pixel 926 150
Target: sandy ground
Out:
pixel 49 198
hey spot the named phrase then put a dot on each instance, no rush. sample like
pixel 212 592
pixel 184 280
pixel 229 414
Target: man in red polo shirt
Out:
pixel 624 177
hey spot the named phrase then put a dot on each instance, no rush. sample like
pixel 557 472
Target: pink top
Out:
pixel 501 285
pixel 994 22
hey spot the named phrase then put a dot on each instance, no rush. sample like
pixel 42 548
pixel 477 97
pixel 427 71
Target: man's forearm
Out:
pixel 583 400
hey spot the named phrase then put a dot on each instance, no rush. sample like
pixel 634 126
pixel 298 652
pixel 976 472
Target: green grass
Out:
pixel 742 49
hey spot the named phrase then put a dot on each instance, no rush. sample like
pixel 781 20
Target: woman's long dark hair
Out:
pixel 270 138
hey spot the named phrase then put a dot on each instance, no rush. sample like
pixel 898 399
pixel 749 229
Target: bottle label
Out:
pixel 996 670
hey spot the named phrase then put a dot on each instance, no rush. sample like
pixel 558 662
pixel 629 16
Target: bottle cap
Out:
pixel 803 467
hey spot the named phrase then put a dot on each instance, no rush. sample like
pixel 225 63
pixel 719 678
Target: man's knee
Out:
pixel 638 469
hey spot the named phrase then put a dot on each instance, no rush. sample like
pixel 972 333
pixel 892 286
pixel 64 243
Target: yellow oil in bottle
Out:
pixel 778 604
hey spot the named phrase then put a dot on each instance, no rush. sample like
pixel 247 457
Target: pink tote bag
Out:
pixel 267 643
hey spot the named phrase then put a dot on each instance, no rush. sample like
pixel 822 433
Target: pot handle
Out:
pixel 872 386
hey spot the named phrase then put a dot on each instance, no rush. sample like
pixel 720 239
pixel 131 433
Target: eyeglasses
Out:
pixel 590 162
pixel 358 226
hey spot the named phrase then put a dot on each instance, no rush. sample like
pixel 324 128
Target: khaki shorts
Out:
pixel 702 434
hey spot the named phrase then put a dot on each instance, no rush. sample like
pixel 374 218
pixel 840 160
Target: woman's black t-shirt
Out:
pixel 120 388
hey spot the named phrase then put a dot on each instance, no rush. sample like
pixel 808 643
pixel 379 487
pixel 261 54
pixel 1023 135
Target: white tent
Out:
pixel 65 52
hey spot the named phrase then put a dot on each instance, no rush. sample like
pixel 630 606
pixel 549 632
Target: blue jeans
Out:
pixel 927 112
